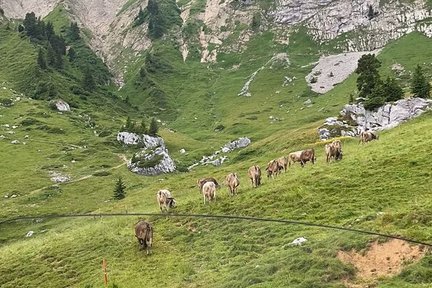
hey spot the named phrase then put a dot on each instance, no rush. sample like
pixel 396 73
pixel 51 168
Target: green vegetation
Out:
pixel 420 86
pixel 119 189
pixel 383 186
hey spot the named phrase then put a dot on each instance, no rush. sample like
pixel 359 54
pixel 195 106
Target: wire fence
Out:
pixel 217 217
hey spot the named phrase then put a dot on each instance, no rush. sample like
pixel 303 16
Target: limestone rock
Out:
pixel 354 118
pixel 153 159
pixel 61 105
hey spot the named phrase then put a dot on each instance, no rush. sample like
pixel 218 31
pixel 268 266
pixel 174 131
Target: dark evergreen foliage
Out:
pixel 367 70
pixel 420 86
pixel 119 189
pixel 74 32
pixel 154 127
pixel 41 60
pixel 88 80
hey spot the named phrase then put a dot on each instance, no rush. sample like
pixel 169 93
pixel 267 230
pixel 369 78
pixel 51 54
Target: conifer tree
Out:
pixel 74 31
pixel 420 86
pixel 41 60
pixel 71 54
pixel 153 129
pixel 119 189
pixel 88 80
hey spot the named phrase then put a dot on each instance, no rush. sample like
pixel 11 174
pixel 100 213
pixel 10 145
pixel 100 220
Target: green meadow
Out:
pixel 384 186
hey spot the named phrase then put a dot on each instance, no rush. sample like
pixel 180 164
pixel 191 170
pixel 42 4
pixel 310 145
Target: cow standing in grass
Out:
pixel 165 200
pixel 367 136
pixel 254 174
pixel 283 162
pixel 302 157
pixel 144 234
pixel 202 181
pixel 209 191
pixel 333 150
pixel 232 182
pixel 273 168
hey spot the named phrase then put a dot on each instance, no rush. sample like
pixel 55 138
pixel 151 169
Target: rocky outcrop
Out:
pixel 61 105
pixel 219 157
pixel 354 118
pixel 153 159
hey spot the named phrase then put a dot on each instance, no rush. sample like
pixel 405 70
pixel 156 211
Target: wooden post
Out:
pixel 104 268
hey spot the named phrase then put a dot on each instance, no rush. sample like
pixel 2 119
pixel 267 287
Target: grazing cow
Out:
pixel 165 200
pixel 232 182
pixel 202 181
pixel 209 191
pixel 254 173
pixel 283 162
pixel 273 168
pixel 367 136
pixel 333 150
pixel 144 234
pixel 302 157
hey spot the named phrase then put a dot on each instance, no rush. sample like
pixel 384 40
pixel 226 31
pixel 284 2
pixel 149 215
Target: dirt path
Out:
pixel 121 156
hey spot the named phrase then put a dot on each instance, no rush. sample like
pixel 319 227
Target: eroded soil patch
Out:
pixel 381 260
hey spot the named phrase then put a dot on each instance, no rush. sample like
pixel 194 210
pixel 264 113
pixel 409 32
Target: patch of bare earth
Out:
pixel 380 260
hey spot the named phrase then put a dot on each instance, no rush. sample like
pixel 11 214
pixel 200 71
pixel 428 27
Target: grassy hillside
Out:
pixel 383 186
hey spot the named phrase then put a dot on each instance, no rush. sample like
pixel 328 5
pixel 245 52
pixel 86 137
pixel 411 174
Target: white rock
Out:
pixel 299 241
pixel 61 105
pixel 29 234
pixel 15 142
pixel 182 151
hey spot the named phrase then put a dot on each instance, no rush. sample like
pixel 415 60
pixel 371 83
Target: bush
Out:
pixel 102 173
pixel 6 102
pixel 29 122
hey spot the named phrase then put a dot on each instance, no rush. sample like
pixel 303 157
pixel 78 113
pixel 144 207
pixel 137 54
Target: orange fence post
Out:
pixel 104 268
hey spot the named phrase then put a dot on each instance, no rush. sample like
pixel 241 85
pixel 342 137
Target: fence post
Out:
pixel 104 268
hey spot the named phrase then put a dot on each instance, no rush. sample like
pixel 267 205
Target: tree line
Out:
pixel 375 92
pixel 141 128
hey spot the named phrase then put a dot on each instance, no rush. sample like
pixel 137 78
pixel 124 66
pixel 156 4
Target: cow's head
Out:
pixel 172 203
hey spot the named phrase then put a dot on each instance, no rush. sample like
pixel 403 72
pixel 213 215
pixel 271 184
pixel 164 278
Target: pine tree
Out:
pixel 367 70
pixel 143 127
pixel 156 20
pixel 31 25
pixel 41 59
pixel 420 86
pixel 74 31
pixel 153 129
pixel 256 21
pixel 88 80
pixel 51 56
pixel 392 90
pixel 49 30
pixel 371 12
pixel 71 54
pixel 119 189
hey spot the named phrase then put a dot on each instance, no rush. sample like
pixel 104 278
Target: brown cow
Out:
pixel 209 191
pixel 144 234
pixel 165 200
pixel 333 150
pixel 283 162
pixel 367 136
pixel 202 181
pixel 232 182
pixel 254 173
pixel 302 157
pixel 273 168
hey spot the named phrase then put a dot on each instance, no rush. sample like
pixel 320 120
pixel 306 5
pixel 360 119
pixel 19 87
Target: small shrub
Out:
pixel 29 122
pixel 6 102
pixel 102 173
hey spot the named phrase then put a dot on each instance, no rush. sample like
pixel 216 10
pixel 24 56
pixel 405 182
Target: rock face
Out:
pixel 354 118
pixel 153 159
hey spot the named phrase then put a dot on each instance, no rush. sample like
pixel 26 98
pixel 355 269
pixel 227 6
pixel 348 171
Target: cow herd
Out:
pixel 209 185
